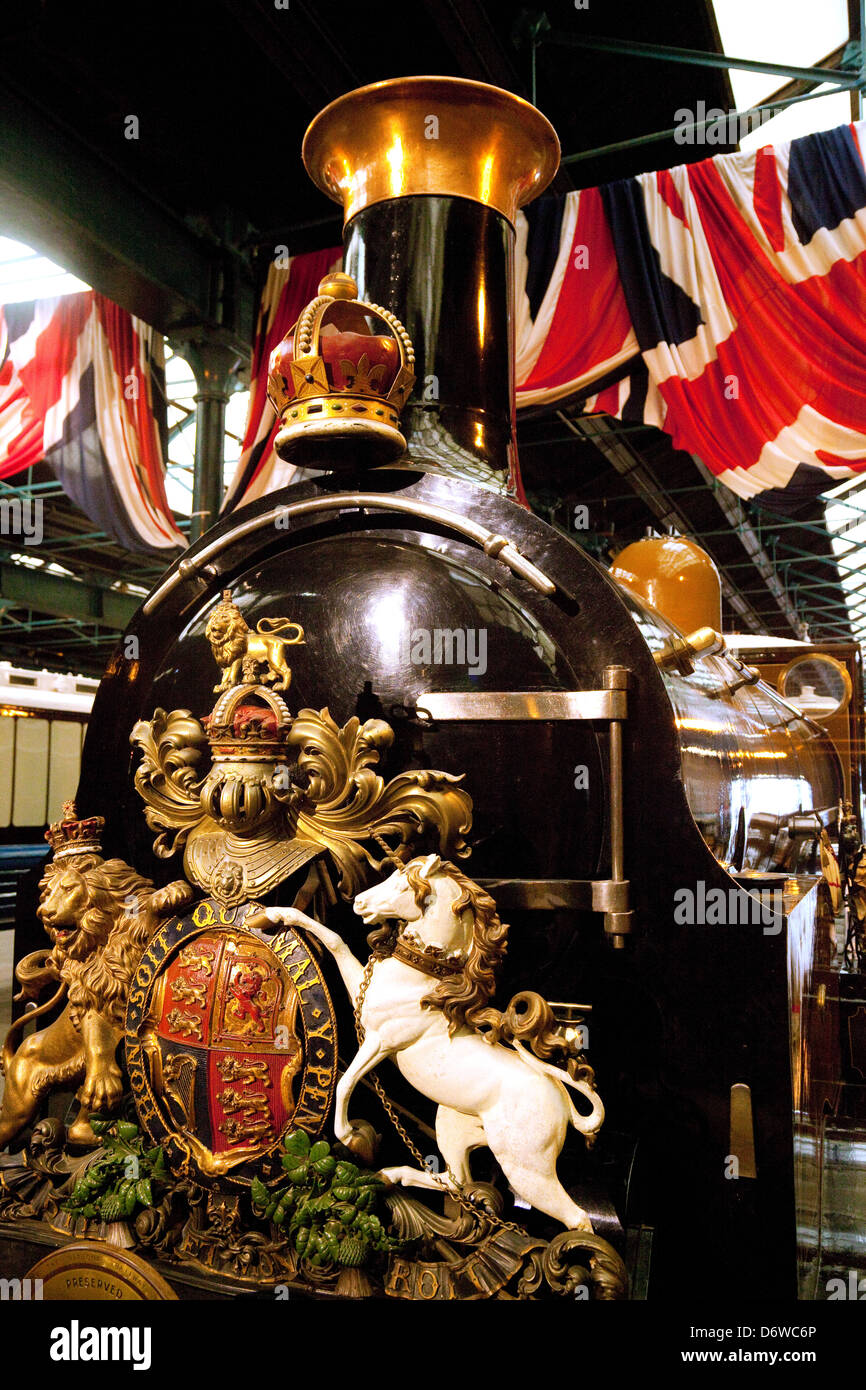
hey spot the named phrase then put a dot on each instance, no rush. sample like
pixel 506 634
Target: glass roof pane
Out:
pixel 779 31
pixel 181 389
pixel 25 275
pixel 783 31
pixel 845 514
pixel 847 485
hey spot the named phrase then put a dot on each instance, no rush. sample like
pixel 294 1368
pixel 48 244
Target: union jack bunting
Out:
pixel 723 302
pixel 82 387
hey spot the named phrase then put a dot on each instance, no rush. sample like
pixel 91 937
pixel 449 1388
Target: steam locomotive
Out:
pixel 626 771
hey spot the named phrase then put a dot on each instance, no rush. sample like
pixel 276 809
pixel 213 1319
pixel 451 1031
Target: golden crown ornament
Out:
pixel 341 377
pixel 71 835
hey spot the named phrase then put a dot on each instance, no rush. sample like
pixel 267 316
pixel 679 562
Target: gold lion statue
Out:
pixel 239 650
pixel 99 914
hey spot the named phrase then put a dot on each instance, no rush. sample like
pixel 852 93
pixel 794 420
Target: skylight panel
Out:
pixel 796 32
pixel 25 275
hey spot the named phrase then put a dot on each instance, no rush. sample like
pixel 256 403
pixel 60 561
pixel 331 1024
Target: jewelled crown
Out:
pixel 73 836
pixel 340 377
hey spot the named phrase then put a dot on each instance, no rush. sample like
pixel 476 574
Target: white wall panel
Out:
pixel 31 771
pixel 64 765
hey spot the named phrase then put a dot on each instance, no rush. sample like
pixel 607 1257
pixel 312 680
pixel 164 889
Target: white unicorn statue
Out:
pixel 488 1093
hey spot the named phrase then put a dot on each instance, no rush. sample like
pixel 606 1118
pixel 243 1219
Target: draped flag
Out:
pixel 288 289
pixel 572 320
pixel 82 387
pixel 723 302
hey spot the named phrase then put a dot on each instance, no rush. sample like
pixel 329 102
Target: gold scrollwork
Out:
pixel 352 804
pixel 345 808
pixel 167 778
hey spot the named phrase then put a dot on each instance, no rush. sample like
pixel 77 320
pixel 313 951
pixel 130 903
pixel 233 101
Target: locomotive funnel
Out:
pixel 431 172
pixel 416 136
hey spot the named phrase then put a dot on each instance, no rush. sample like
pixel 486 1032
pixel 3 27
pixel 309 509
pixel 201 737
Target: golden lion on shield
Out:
pixel 239 650
pixel 99 914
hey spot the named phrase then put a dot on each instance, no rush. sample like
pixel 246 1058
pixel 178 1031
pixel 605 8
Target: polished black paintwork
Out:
pixel 445 267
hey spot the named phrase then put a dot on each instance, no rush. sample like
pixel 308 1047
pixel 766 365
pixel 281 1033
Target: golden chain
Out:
pixel 456 1191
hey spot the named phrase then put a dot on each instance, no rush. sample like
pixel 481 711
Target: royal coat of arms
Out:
pixel 229 1044
pixel 230 1037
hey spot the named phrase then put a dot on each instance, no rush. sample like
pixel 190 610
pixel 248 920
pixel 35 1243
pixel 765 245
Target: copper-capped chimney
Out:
pixel 431 172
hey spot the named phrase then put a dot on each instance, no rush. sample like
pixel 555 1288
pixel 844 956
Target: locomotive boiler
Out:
pixel 637 791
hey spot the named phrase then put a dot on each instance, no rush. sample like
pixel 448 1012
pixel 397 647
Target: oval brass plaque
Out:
pixel 86 1271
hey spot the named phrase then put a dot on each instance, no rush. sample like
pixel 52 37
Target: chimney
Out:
pixel 431 172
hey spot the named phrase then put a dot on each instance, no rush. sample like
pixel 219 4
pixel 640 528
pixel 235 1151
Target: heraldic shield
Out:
pixel 230 1042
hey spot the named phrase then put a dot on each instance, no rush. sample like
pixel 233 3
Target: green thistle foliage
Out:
pixel 326 1205
pixel 121 1179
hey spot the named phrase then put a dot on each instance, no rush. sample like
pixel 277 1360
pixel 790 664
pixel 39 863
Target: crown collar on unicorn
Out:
pixel 444 1036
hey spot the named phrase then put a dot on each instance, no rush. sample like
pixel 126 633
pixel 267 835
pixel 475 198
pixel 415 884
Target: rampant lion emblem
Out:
pixel 241 653
pixel 99 914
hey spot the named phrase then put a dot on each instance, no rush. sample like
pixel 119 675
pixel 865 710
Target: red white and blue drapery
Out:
pixel 725 303
pixel 82 387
